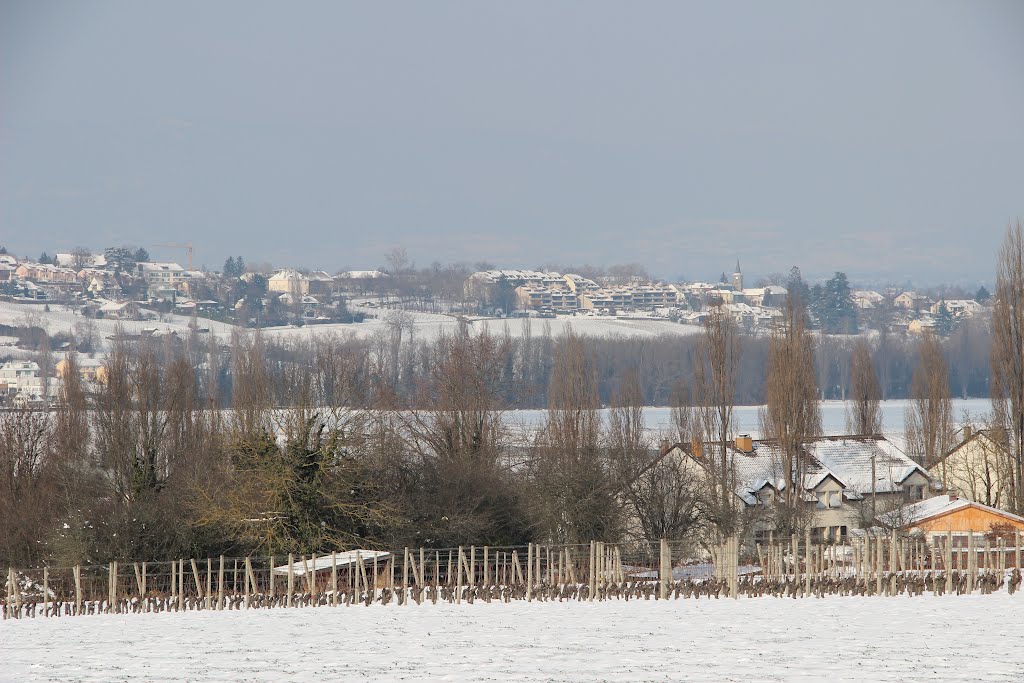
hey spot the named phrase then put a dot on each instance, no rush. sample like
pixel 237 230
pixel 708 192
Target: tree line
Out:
pixel 190 447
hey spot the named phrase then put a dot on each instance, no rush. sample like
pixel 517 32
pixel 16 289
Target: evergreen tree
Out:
pixel 43 258
pixel 119 259
pixel 833 306
pixel 944 321
pixel 229 267
pixel 797 289
pixel 982 295
pixel 3 250
pixel 239 267
pixel 141 255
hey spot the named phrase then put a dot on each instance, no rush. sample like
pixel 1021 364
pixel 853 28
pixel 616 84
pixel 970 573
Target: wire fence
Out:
pixel 871 564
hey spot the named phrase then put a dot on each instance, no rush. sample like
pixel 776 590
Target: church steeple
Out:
pixel 737 278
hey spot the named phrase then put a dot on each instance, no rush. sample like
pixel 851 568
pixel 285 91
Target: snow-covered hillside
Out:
pixel 952 638
pixel 425 325
pixel 62 319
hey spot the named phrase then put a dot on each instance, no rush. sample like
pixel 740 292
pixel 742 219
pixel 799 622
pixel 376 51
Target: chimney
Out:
pixel 968 432
pixel 666 446
pixel 696 448
pixel 744 443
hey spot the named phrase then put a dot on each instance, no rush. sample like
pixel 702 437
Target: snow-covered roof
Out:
pixel 918 512
pixel 344 559
pixel 847 459
pixel 320 276
pixel 159 265
pixel 361 275
pixel 288 274
pixel 113 306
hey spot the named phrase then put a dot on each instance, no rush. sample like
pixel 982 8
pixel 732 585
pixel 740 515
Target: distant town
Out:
pixel 126 284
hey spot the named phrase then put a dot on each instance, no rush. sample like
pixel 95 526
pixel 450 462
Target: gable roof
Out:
pixel 977 435
pixel 849 460
pixel 937 506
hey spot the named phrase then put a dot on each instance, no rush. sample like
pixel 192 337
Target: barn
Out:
pixel 943 514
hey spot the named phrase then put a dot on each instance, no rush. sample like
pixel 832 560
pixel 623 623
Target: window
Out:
pixel 917 492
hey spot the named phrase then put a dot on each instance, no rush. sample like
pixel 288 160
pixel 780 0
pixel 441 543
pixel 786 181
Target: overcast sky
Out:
pixel 884 139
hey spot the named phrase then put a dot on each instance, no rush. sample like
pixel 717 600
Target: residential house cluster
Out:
pixel 552 292
pixel 916 313
pixel 22 383
pixel 854 483
pixel 848 481
pixel 78 276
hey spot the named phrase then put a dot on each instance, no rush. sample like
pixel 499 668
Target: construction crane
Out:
pixel 186 247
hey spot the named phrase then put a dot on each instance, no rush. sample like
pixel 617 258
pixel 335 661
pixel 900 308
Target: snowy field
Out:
pixel 62 319
pixel 431 325
pixel 965 638
pixel 426 326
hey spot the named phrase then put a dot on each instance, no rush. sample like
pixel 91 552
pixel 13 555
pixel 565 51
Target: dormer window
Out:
pixel 830 499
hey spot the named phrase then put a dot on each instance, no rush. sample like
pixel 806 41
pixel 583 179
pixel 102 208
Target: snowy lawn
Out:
pixel 965 638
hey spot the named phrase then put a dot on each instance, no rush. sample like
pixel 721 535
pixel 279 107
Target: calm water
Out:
pixel 833 416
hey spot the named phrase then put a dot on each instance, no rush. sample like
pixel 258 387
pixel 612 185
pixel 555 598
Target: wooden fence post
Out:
pixel 78 588
pixel 334 579
pixel 311 579
pixel 220 584
pixel 458 580
pixel 199 581
pixel 592 576
pixel 111 587
pixel 246 571
pixel 1016 549
pixel 807 564
pixel 375 579
pixel 291 580
pixel 358 570
pixel 271 581
pixel 405 577
pixel 529 572
pixel 663 571
pixel 972 562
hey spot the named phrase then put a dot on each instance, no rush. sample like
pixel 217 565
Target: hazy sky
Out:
pixel 881 138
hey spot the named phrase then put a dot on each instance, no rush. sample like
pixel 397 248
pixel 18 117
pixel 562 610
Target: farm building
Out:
pixel 324 563
pixel 943 514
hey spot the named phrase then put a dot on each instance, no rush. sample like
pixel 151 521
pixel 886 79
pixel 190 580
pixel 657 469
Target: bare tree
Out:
pixel 25 483
pixel 864 416
pixel 575 491
pixel 1007 356
pixel 459 443
pixel 662 492
pixel 80 258
pixel 791 416
pixel 715 375
pixel 929 416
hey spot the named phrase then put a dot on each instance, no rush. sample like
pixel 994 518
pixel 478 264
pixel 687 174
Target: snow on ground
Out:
pixel 63 319
pixel 952 638
pixel 432 325
pixel 425 325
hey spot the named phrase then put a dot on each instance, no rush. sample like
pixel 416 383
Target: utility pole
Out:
pixel 874 497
